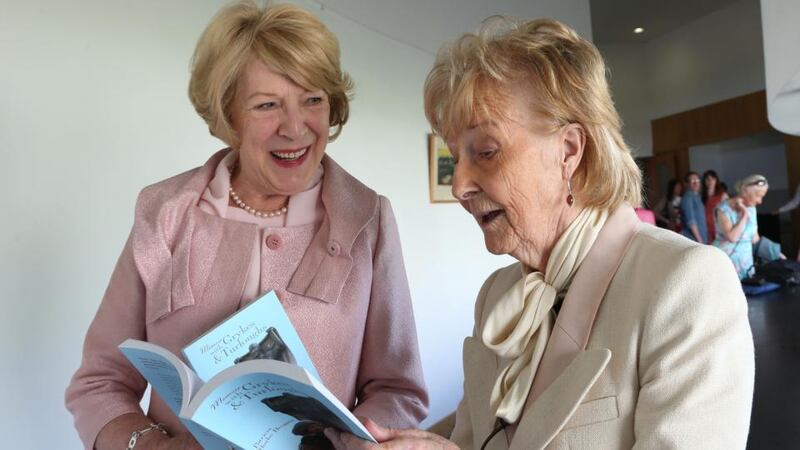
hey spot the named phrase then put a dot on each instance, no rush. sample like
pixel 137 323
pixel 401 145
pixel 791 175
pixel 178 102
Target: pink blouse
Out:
pixel 304 214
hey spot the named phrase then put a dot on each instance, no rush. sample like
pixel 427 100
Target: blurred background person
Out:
pixel 711 196
pixel 737 224
pixel 668 209
pixel 693 213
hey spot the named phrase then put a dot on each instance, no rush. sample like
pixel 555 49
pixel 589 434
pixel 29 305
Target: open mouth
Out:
pixel 289 156
pixel 489 217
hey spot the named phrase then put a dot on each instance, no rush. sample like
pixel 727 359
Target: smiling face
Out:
pixel 283 130
pixel 511 176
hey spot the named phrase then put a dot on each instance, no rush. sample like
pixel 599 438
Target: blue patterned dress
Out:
pixel 741 251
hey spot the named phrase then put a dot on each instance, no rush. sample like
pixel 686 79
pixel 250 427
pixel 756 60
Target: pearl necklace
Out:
pixel 246 207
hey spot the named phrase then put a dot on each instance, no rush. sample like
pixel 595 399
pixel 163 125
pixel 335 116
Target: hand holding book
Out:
pixel 233 398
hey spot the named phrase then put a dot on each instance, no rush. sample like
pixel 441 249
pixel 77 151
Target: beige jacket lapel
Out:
pixel 551 411
pixel 567 371
pixel 478 384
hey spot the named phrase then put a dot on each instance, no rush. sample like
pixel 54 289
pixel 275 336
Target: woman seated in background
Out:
pixel 737 224
pixel 711 197
pixel 606 333
pixel 693 219
pixel 271 212
pixel 668 209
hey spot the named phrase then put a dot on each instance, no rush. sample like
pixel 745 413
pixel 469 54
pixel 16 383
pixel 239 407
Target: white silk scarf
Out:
pixel 519 325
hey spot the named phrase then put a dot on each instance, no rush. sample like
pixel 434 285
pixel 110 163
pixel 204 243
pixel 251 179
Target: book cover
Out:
pixel 261 330
pixel 266 404
pixel 260 390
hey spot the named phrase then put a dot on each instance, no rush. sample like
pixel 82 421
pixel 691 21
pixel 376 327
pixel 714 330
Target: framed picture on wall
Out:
pixel 440 170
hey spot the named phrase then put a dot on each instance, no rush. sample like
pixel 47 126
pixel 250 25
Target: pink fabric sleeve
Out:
pixel 646 215
pixel 390 386
pixel 106 386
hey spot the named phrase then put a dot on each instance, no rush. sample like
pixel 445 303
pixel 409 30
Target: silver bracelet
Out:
pixel 137 434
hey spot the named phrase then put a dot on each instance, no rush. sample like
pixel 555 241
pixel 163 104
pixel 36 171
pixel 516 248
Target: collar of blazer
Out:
pixel 349 207
pixel 169 227
pixel 567 370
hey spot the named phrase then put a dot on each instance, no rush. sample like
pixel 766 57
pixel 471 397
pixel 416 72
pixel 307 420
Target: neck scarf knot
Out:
pixel 519 325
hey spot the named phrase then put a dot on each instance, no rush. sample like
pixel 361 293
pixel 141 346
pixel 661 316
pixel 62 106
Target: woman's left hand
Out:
pixel 389 439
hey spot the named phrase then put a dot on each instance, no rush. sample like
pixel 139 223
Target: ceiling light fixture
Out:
pixel 638 30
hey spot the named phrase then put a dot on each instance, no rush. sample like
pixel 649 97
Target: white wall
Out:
pixel 714 58
pixel 632 92
pixel 94 107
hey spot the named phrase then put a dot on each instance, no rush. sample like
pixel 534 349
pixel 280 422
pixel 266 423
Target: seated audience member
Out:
pixel 605 333
pixel 712 195
pixel 692 211
pixel 737 226
pixel 668 209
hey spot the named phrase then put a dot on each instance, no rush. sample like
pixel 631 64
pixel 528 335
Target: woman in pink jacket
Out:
pixel 271 212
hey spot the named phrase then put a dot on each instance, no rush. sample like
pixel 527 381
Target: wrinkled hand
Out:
pixel 183 441
pixel 389 439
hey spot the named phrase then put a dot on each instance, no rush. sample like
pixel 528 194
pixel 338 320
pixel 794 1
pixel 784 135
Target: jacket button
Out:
pixel 273 242
pixel 333 248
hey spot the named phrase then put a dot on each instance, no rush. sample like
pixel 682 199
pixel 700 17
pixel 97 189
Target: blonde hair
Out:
pixel 285 38
pixel 477 74
pixel 750 183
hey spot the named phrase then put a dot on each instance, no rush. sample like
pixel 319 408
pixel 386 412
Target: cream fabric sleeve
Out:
pixel 696 363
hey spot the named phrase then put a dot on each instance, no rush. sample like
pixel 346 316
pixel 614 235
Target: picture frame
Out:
pixel 441 168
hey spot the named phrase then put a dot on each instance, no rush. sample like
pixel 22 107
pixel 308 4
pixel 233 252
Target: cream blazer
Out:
pixel 663 360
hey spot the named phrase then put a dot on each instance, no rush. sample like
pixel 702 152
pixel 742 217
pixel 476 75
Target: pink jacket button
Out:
pixel 273 242
pixel 333 248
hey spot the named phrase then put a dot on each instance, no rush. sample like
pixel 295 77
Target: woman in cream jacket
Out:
pixel 607 333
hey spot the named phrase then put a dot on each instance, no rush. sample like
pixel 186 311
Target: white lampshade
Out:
pixel 780 21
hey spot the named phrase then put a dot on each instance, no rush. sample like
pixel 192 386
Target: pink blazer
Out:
pixel 183 271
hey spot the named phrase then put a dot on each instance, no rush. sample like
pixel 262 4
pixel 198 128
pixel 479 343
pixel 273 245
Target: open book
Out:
pixel 251 384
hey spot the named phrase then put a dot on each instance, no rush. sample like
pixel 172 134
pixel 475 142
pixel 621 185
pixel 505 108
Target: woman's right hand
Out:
pixel 741 209
pixel 389 439
pixel 115 435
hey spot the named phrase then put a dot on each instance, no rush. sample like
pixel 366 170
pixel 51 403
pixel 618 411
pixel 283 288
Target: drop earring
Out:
pixel 570 198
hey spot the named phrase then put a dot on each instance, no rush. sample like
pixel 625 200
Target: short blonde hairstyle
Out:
pixel 751 183
pixel 477 74
pixel 285 38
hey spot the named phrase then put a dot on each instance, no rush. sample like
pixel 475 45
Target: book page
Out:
pixel 174 382
pixel 261 330
pixel 266 404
